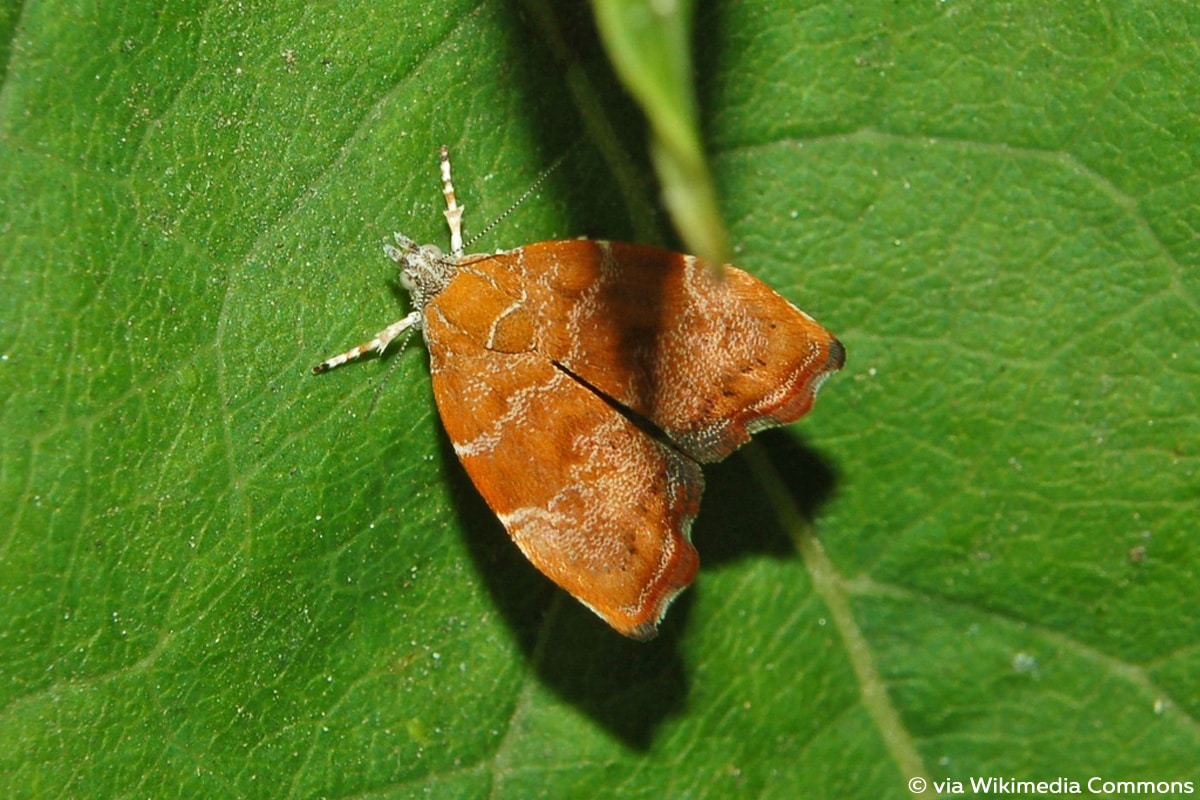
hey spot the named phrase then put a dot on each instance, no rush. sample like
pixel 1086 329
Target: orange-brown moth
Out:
pixel 583 383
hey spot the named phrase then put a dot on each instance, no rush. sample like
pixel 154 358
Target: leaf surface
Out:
pixel 225 577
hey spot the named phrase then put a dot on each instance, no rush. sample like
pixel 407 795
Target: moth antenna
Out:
pixel 379 389
pixel 533 187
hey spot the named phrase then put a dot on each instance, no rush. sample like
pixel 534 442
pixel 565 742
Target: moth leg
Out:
pixel 379 343
pixel 453 210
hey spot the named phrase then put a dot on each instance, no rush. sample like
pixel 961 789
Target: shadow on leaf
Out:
pixel 630 687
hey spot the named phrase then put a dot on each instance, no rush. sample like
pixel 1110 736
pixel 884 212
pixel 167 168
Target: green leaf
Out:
pixel 222 576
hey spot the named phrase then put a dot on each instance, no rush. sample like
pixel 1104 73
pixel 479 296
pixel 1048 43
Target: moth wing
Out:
pixel 598 506
pixel 707 358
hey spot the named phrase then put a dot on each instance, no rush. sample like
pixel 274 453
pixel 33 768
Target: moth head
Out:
pixel 424 269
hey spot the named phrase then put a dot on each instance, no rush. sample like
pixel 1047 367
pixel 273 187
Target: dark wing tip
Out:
pixel 837 355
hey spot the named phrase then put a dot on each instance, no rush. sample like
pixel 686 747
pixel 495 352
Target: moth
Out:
pixel 583 383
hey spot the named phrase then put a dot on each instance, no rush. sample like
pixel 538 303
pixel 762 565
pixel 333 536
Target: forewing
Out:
pixel 601 508
pixel 709 358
